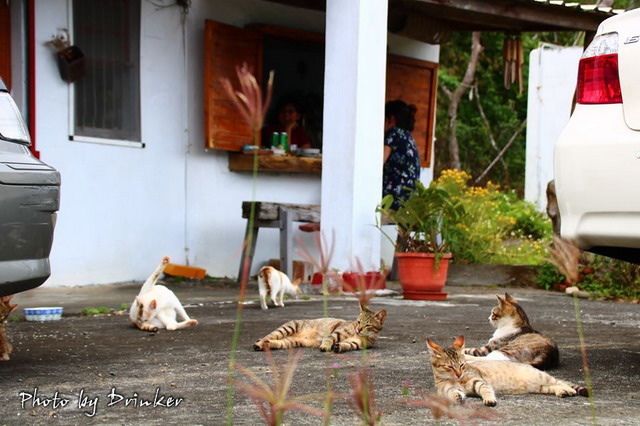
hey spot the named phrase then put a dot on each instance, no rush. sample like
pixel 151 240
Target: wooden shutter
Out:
pixel 225 48
pixel 415 82
pixel 5 43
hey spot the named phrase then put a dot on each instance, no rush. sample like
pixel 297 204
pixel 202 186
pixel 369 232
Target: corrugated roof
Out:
pixel 584 7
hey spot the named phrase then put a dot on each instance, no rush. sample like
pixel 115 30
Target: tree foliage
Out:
pixel 505 109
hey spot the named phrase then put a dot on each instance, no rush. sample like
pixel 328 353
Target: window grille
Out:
pixel 107 98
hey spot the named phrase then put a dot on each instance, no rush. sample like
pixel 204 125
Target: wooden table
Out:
pixel 273 215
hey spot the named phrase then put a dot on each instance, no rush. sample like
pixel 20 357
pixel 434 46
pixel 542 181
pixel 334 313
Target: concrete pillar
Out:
pixel 355 71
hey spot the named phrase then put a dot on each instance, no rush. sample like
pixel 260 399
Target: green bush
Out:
pixel 602 277
pixel 497 227
pixel 609 278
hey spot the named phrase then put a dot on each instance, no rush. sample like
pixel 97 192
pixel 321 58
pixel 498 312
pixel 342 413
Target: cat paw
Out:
pixel 325 348
pixel 336 348
pixel 260 345
pixel 490 402
pixel 459 397
pixel 192 322
pixel 562 390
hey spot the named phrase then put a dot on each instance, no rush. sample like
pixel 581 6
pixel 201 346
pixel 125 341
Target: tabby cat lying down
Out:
pixel 455 378
pixel 515 339
pixel 327 333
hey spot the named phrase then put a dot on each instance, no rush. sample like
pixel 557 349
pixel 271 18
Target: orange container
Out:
pixel 185 271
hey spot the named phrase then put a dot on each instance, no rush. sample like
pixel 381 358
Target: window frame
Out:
pixel 73 137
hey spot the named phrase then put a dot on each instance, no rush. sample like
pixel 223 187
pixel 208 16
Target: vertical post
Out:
pixel 355 73
pixel 286 242
pixel 249 250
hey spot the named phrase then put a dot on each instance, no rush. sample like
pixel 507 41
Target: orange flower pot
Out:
pixel 419 279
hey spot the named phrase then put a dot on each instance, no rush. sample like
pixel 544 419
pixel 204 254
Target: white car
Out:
pixel 597 156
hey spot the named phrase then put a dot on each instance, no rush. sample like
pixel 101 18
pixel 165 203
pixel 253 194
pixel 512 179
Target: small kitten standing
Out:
pixel 156 306
pixel 456 379
pixel 515 339
pixel 275 284
pixel 5 310
pixel 327 334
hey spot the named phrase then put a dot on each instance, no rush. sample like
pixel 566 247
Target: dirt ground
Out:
pixel 82 370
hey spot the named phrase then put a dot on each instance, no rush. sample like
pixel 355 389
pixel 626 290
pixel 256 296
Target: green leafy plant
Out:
pixel 101 310
pixel 601 276
pixel 548 276
pixel 425 221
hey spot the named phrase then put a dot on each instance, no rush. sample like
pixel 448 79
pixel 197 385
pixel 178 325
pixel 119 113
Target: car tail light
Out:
pixel 598 79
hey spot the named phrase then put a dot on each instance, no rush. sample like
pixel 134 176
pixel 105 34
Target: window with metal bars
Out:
pixel 107 98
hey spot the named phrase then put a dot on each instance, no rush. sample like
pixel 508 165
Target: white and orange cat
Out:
pixel 275 284
pixel 157 307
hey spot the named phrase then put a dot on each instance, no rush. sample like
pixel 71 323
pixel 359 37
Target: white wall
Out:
pixel 122 209
pixel 553 73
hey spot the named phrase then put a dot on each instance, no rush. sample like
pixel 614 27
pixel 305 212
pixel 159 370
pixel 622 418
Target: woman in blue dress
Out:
pixel 401 158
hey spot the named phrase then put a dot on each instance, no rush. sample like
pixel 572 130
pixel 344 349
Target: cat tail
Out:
pixel 153 278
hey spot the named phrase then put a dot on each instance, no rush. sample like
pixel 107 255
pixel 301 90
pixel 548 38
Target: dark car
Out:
pixel 29 200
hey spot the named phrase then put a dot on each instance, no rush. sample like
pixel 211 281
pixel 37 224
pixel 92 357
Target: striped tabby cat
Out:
pixel 515 339
pixel 456 379
pixel 327 333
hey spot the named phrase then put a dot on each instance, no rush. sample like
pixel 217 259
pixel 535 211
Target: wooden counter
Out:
pixel 239 162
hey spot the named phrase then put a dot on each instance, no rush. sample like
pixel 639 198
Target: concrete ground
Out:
pixel 81 370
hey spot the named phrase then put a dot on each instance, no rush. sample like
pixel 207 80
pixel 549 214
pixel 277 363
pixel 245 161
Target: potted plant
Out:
pixel 426 226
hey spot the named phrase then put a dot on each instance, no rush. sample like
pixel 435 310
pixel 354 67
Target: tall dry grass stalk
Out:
pixel 565 256
pixel 363 397
pixel 274 400
pixel 322 265
pixel 442 408
pixel 585 359
pixel 249 102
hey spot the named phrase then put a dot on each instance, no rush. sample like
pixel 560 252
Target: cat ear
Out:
pixel 509 299
pixel 433 346
pixel 458 342
pixel 153 304
pixel 381 315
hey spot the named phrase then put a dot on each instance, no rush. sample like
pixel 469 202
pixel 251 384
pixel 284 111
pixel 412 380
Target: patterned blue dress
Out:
pixel 402 168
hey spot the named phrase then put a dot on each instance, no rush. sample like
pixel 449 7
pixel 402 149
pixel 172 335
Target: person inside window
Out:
pixel 288 120
pixel 401 158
